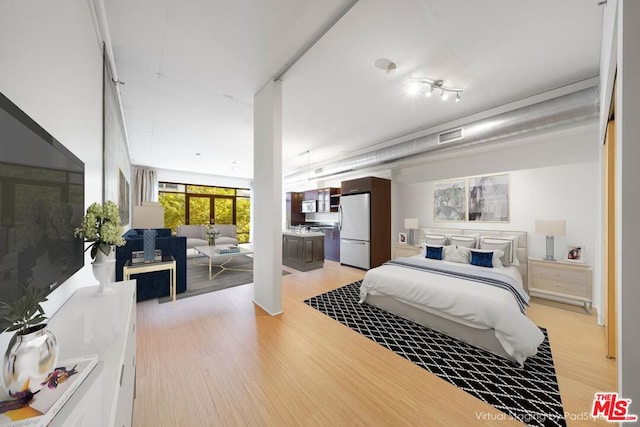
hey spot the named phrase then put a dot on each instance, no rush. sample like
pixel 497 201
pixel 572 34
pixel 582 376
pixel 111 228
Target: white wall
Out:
pixel 628 200
pixel 181 177
pixel 551 176
pixel 52 69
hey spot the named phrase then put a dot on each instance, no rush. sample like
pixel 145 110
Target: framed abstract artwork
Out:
pixel 123 198
pixel 449 200
pixel 489 198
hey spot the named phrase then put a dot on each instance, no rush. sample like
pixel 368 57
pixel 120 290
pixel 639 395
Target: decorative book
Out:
pixel 229 250
pixel 39 407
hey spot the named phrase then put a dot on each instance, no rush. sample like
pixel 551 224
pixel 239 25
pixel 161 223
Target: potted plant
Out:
pixel 33 350
pixel 101 227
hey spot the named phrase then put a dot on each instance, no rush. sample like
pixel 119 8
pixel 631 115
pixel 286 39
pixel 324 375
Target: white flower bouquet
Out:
pixel 101 225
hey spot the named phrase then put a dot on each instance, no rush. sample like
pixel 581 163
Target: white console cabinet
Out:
pixel 104 325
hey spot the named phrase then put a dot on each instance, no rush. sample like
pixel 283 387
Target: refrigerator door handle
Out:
pixel 340 217
pixel 353 242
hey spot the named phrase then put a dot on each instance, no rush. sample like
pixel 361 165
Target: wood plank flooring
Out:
pixel 218 360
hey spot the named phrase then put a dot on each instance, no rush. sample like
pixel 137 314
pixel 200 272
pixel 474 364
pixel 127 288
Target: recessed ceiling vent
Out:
pixel 318 170
pixel 450 136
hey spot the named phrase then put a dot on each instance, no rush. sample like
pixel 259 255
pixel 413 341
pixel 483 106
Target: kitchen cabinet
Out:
pixel 294 209
pixel 311 195
pixel 332 244
pixel 303 251
pixel 328 199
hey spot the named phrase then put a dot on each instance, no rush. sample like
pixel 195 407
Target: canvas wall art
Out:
pixel 489 198
pixel 123 199
pixel 449 200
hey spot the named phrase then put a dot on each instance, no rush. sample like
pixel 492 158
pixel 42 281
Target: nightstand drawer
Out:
pixel 560 275
pixel 577 289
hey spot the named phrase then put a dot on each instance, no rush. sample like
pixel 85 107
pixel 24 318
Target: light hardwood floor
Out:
pixel 217 359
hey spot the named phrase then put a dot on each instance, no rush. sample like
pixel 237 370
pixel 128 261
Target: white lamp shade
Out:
pixel 411 223
pixel 551 227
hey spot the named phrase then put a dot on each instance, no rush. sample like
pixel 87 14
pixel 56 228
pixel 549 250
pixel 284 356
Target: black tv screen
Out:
pixel 41 202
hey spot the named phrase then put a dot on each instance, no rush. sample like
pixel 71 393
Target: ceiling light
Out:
pixel 419 85
pixel 391 68
pixel 386 64
pixel 429 92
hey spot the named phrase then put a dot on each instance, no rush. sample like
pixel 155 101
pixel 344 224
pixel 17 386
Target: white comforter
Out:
pixel 470 303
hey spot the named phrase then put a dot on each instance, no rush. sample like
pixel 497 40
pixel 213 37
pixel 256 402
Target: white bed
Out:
pixel 484 315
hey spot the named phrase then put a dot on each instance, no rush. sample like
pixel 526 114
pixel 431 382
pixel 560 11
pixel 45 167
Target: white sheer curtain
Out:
pixel 146 186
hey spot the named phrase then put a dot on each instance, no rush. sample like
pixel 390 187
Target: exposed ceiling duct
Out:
pixel 563 110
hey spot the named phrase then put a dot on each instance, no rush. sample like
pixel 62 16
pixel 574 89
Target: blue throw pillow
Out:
pixel 434 252
pixel 482 259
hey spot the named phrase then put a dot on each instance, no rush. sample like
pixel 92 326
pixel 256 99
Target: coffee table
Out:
pixel 210 252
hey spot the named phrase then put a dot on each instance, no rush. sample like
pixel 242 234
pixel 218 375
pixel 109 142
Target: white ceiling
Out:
pixel 191 68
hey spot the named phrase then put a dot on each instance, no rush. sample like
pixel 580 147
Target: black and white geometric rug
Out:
pixel 529 394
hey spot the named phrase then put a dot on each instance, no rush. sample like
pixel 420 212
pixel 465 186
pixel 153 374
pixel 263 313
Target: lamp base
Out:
pixel 411 237
pixel 550 246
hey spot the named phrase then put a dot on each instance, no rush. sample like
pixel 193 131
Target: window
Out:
pixel 201 204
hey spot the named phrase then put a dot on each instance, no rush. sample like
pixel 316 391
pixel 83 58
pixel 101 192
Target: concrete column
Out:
pixel 267 202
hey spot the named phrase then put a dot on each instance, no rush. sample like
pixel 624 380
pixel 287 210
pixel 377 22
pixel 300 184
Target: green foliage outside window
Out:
pixel 174 210
pixel 199 197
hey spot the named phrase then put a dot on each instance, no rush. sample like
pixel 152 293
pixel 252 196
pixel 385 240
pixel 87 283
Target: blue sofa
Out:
pixel 154 284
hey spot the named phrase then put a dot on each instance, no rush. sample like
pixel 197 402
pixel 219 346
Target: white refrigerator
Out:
pixel 354 216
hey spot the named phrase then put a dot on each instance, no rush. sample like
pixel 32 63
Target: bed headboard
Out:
pixel 521 252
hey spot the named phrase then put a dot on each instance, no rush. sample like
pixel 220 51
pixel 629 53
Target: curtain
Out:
pixel 146 186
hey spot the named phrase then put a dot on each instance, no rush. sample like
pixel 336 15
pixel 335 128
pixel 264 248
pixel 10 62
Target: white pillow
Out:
pixel 456 254
pixel 466 241
pixel 435 239
pixel 507 243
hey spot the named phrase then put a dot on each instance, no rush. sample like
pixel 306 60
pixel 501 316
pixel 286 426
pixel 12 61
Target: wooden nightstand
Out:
pixel 405 250
pixel 566 282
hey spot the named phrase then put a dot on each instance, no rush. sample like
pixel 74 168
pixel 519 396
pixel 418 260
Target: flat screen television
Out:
pixel 41 202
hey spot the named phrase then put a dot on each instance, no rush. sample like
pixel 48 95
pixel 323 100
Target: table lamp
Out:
pixel 411 224
pixel 550 228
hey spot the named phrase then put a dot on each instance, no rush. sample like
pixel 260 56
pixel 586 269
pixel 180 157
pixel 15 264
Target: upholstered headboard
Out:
pixel 521 252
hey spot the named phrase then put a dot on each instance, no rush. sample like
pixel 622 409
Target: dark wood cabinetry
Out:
pixel 360 185
pixel 380 214
pixel 303 252
pixel 311 195
pixel 294 209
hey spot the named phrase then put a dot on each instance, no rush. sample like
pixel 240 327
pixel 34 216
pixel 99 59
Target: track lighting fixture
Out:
pixel 427 86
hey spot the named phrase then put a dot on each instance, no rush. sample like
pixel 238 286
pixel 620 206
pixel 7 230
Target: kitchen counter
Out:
pixel 303 233
pixel 304 250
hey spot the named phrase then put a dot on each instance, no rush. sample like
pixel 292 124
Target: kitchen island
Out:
pixel 304 250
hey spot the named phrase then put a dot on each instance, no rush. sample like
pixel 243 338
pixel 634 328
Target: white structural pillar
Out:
pixel 267 201
pixel 628 200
